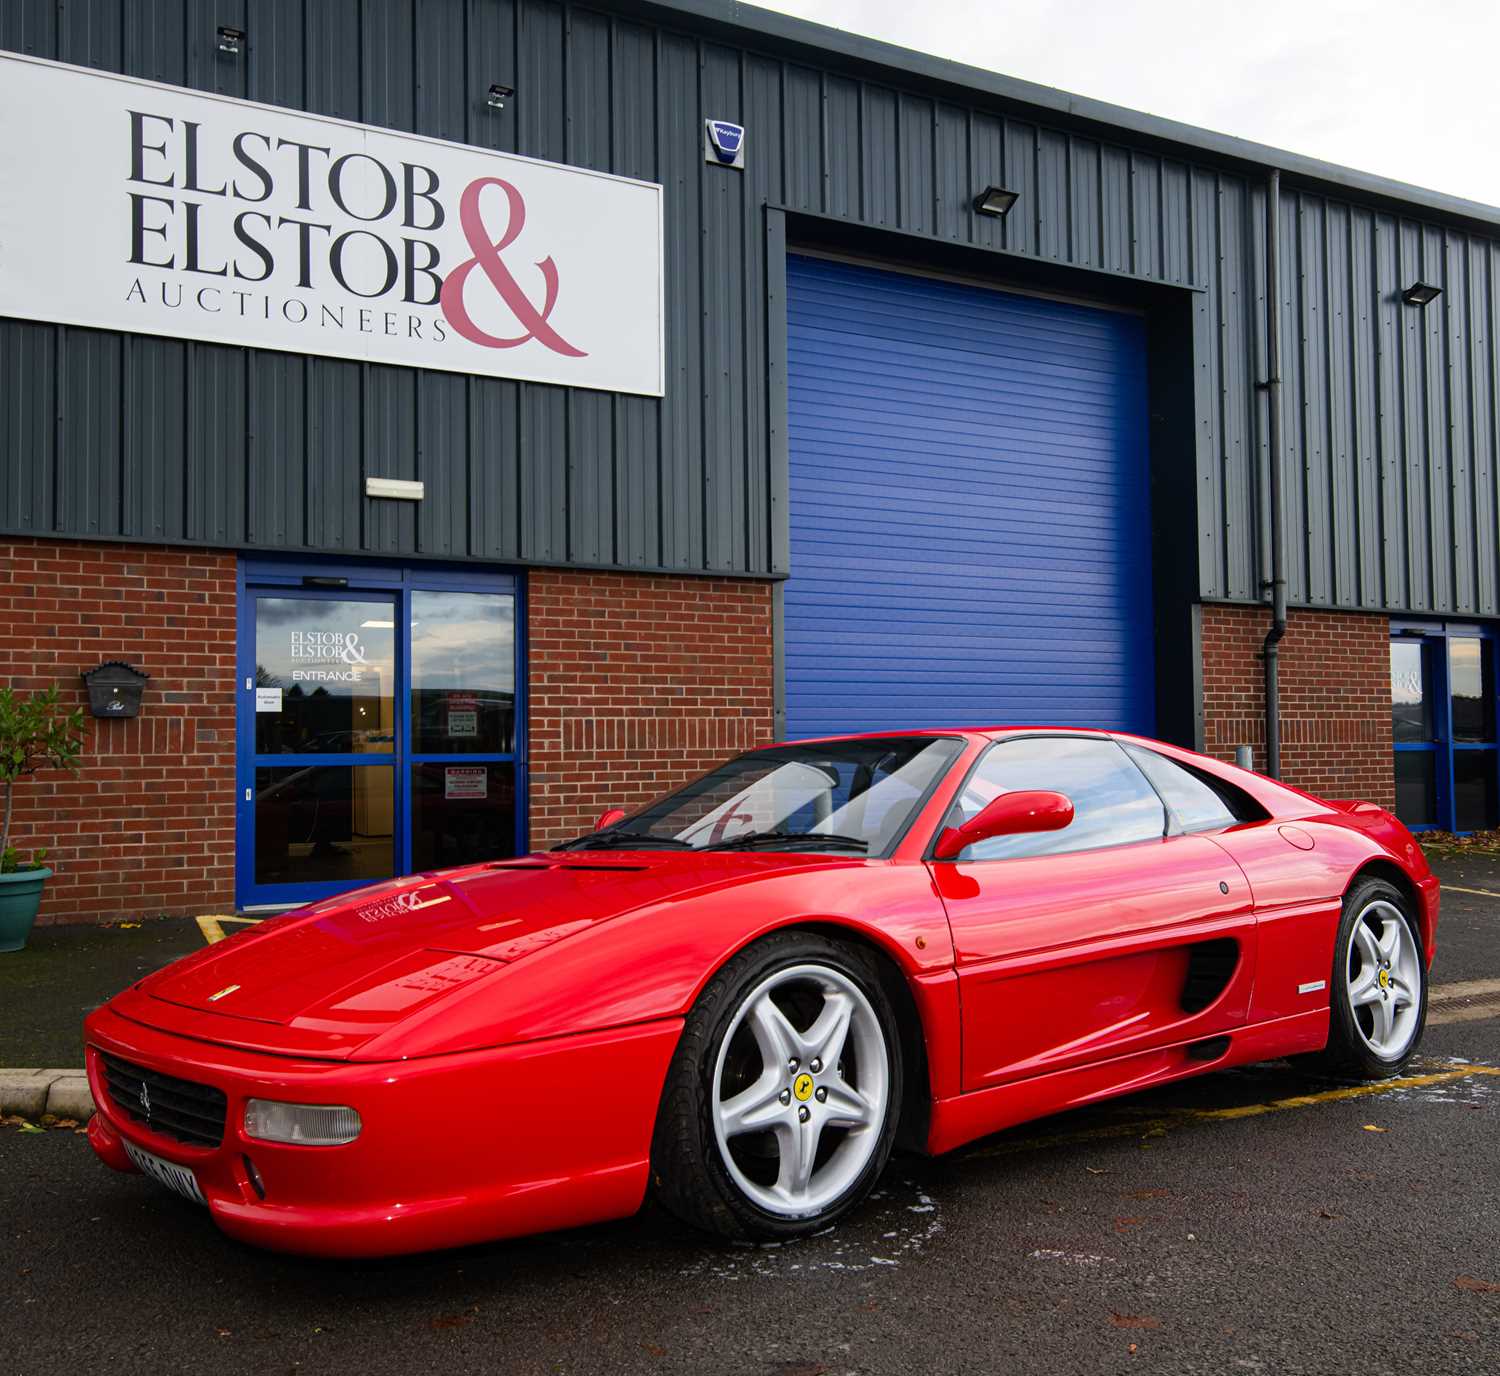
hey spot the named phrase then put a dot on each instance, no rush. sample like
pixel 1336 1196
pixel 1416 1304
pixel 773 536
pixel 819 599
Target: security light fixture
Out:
pixel 231 40
pixel 995 200
pixel 1421 294
pixel 498 95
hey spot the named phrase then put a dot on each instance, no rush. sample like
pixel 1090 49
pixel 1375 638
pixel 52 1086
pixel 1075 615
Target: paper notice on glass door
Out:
pixel 268 699
pixel 466 781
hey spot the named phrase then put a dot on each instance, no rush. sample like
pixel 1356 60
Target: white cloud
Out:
pixel 1403 90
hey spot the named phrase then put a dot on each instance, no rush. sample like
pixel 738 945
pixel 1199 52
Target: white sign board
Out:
pixel 466 781
pixel 130 205
pixel 268 699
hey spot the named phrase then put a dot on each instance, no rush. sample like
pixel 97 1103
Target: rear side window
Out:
pixel 1113 805
pixel 1195 804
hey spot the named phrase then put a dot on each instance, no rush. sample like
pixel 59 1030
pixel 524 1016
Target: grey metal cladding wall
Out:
pixel 124 436
pixel 1390 411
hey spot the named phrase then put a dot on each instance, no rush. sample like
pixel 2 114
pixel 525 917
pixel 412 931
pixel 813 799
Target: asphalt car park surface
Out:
pixel 1256 1220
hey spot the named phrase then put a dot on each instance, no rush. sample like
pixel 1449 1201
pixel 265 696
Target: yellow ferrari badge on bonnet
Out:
pixel 227 989
pixel 802 1087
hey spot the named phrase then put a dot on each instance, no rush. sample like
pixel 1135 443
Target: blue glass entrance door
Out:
pixel 1443 726
pixel 379 727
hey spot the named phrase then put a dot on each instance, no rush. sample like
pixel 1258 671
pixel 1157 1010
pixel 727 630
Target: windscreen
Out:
pixel 833 795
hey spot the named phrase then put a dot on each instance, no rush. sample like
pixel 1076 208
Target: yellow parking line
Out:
pixel 213 930
pixel 1183 1117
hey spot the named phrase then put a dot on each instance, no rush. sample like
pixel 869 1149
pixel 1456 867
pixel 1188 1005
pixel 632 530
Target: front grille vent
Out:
pixel 183 1110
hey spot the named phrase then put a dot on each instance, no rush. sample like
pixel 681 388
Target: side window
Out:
pixel 1196 806
pixel 1113 805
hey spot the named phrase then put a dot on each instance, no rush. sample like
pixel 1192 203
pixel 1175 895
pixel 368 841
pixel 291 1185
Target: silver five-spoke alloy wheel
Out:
pixel 795 1134
pixel 1384 973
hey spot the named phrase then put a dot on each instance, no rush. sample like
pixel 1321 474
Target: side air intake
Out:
pixel 1211 965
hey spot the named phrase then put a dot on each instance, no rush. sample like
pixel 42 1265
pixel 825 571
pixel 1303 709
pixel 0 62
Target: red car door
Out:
pixel 1119 933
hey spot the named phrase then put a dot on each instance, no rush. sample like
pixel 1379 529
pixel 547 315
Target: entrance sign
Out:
pixel 131 205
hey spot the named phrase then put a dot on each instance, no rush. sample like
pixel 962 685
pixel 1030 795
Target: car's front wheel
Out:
pixel 781 1104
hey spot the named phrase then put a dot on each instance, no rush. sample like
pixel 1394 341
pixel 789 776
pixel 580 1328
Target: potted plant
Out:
pixel 35 733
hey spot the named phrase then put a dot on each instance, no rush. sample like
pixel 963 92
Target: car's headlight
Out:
pixel 305 1125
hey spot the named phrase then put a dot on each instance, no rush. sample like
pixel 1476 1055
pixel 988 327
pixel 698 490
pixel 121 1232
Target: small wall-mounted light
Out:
pixel 1421 294
pixel 498 95
pixel 231 40
pixel 401 489
pixel 995 200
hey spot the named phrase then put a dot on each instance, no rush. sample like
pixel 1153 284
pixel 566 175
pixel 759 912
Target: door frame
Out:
pixel 254 574
pixel 1433 636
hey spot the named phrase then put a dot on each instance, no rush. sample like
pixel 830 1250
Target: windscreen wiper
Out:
pixel 829 840
pixel 605 840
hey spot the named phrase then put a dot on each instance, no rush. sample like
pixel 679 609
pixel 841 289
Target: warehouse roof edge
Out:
pixel 747 23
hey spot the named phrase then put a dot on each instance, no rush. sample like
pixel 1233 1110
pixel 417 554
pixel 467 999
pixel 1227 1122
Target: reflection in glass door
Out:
pixel 325 739
pixel 1443 726
pixel 463 723
pixel 1471 679
pixel 379 727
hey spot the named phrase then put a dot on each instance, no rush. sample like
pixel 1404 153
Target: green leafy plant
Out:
pixel 36 733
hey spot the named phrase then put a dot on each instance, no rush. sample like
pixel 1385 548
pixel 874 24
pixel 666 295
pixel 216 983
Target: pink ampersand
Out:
pixel 487 259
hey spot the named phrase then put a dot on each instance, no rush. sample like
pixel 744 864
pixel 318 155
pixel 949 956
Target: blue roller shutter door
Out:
pixel 970 518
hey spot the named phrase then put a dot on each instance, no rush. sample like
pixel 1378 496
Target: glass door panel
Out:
pixel 1473 790
pixel 1416 787
pixel 1472 683
pixel 463 673
pixel 319 824
pixel 463 727
pixel 1411 700
pixel 323 796
pixel 1414 732
pixel 325 675
pixel 461 813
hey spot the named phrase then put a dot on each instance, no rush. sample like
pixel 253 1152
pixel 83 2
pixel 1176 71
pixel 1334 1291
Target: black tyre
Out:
pixel 1378 990
pixel 781 1105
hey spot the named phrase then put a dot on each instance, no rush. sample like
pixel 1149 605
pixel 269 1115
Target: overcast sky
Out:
pixel 1407 89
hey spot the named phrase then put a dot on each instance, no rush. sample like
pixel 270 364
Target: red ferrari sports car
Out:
pixel 745 995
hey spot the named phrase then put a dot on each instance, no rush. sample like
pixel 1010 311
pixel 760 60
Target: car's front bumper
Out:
pixel 453 1149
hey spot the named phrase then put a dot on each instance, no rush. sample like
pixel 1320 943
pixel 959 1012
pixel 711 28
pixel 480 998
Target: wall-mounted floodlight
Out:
pixel 995 200
pixel 498 95
pixel 1421 294
pixel 231 40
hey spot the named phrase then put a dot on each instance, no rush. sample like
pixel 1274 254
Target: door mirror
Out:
pixel 1011 814
pixel 609 817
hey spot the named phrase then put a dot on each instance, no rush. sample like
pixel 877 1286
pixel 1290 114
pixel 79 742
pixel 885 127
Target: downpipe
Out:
pixel 1271 648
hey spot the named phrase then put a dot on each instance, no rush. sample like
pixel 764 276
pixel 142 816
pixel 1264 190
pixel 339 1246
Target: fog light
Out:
pixel 305 1125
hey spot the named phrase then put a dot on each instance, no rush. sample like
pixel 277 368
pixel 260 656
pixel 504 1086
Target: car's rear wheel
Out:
pixel 1378 996
pixel 781 1104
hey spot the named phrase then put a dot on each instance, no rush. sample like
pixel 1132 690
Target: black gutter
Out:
pixel 1271 650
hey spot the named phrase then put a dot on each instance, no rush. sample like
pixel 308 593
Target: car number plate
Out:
pixel 178 1179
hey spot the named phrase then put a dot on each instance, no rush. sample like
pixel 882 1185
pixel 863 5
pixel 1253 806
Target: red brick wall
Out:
pixel 147 824
pixel 638 683
pixel 1335 681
